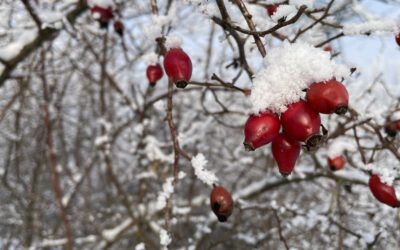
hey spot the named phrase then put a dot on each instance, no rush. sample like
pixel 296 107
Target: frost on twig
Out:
pixel 167 190
pixel 165 239
pixel 199 162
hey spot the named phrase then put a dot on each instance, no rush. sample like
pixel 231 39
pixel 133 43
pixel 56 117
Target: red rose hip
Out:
pixel 383 192
pixel 328 97
pixel 301 123
pixel 336 163
pixel 260 130
pixel 221 203
pixel 119 27
pixel 271 9
pixel 154 73
pixel 178 67
pixel 102 15
pixel 398 39
pixel 285 151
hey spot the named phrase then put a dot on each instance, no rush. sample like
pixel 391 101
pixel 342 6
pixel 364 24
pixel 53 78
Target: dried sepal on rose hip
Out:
pixel 221 203
pixel 383 192
pixel 154 73
pixel 328 97
pixel 336 163
pixel 285 151
pixel 260 130
pixel 300 122
pixel 178 67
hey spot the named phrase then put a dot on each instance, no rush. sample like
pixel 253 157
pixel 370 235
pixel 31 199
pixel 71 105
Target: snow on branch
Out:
pixel 42 36
pixel 377 27
pixel 165 194
pixel 167 190
pixel 199 162
pixel 165 239
pixel 337 147
pixel 288 70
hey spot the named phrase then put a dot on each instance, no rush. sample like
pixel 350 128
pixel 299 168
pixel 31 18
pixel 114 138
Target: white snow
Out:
pixel 146 175
pixel 173 42
pixel 284 10
pixel 298 3
pixel 101 3
pixel 140 246
pixel 288 70
pixel 395 116
pixel 111 234
pixel 198 163
pixel 377 27
pixel 150 58
pixel 165 194
pixel 205 7
pixel 96 15
pixel 386 174
pixel 337 147
pixel 100 140
pixel 154 152
pixel 14 48
pixel 165 238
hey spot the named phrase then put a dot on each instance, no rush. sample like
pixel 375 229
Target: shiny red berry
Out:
pixel 271 9
pixel 327 48
pixel 301 122
pixel 102 15
pixel 336 163
pixel 154 73
pixel 328 97
pixel 398 39
pixel 178 67
pixel 397 123
pixel 260 130
pixel 119 27
pixel 221 203
pixel 383 192
pixel 285 151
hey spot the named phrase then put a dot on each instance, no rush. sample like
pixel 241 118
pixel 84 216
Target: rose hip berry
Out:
pixel 271 9
pixel 328 97
pixel 102 15
pixel 285 151
pixel 221 203
pixel 302 123
pixel 260 130
pixel 398 39
pixel 383 192
pixel 336 163
pixel 119 27
pixel 154 73
pixel 178 67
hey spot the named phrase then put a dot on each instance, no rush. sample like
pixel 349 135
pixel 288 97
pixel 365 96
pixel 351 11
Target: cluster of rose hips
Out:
pixel 104 16
pixel 301 122
pixel 177 65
